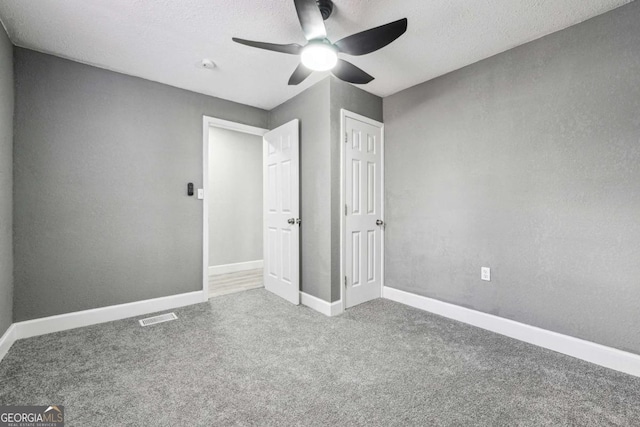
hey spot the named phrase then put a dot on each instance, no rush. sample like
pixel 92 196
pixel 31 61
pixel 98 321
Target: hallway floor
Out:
pixel 224 284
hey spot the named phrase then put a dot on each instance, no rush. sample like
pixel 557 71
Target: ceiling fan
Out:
pixel 319 54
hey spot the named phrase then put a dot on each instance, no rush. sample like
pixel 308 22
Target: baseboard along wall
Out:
pixel 585 350
pixel 233 268
pixel 7 340
pixel 62 322
pixel 320 305
pixel 598 354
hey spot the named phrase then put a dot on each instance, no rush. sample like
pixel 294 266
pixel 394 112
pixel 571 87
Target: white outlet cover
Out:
pixel 485 274
pixel 200 193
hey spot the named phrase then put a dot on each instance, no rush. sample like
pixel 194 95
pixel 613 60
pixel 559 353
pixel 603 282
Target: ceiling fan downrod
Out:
pixel 326 7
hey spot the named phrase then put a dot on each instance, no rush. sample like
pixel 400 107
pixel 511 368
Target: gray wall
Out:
pixel 102 161
pixel 352 98
pixel 6 181
pixel 235 197
pixel 318 109
pixel 528 163
pixel 311 107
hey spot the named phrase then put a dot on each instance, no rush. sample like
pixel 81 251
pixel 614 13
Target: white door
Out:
pixel 282 212
pixel 364 215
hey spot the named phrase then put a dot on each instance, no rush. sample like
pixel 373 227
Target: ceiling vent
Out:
pixel 158 319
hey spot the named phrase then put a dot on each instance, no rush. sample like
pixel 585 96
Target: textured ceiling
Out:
pixel 165 40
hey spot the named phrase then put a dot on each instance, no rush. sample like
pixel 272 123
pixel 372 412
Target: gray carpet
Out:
pixel 252 359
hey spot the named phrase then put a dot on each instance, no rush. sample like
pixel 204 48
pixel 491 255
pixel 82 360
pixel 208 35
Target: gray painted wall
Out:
pixel 235 197
pixel 311 107
pixel 352 98
pixel 102 161
pixel 6 182
pixel 528 163
pixel 318 109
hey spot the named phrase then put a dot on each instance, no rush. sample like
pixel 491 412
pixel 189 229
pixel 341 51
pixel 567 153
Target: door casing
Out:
pixel 343 244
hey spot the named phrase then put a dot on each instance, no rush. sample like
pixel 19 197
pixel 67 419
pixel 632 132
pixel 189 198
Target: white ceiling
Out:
pixel 165 40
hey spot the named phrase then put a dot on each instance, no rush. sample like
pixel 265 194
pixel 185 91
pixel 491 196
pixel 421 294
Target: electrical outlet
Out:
pixel 485 274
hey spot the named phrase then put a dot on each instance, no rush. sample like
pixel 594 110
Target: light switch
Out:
pixel 485 274
pixel 200 193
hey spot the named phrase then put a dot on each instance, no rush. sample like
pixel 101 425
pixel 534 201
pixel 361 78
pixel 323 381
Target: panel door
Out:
pixel 282 211
pixel 364 226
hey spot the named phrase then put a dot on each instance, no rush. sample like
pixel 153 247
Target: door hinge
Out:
pixel 345 210
pixel 346 137
pixel 345 280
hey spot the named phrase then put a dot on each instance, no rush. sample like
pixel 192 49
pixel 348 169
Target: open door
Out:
pixel 363 220
pixel 282 212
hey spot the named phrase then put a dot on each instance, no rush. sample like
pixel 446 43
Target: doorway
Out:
pixel 233 207
pixel 251 209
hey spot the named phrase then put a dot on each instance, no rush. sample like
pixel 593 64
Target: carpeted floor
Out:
pixel 252 359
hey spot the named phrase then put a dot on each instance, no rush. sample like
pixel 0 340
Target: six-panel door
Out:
pixel 282 211
pixel 363 197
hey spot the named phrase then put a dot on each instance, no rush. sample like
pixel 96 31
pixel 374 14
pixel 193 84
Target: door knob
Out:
pixel 291 221
pixel 379 222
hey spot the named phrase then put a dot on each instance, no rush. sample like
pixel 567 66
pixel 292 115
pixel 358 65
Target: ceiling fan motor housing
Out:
pixel 326 7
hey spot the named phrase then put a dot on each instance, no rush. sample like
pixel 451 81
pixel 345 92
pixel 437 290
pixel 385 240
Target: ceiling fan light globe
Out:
pixel 319 56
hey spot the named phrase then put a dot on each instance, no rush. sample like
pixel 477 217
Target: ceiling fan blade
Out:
pixel 373 39
pixel 299 75
pixel 292 49
pixel 350 73
pixel 310 19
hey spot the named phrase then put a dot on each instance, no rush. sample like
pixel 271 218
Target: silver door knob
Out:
pixel 379 222
pixel 291 221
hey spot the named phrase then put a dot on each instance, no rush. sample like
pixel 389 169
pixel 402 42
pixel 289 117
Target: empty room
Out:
pixel 316 212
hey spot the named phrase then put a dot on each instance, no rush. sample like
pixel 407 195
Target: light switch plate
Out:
pixel 200 193
pixel 485 274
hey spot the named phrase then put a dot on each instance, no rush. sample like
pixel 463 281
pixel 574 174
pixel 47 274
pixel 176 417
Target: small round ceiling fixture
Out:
pixel 208 64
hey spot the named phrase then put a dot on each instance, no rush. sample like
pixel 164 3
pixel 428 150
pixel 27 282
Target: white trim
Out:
pixel 343 115
pixel 62 322
pixel 320 305
pixel 264 203
pixel 7 340
pixel 78 319
pixel 336 308
pixel 586 350
pixel 229 125
pixel 207 123
pixel 233 268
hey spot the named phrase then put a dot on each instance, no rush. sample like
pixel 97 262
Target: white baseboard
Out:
pixel 7 340
pixel 62 322
pixel 326 308
pixel 233 268
pixel 586 350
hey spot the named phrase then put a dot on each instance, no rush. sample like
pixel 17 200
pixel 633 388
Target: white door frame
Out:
pixel 207 123
pixel 343 219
